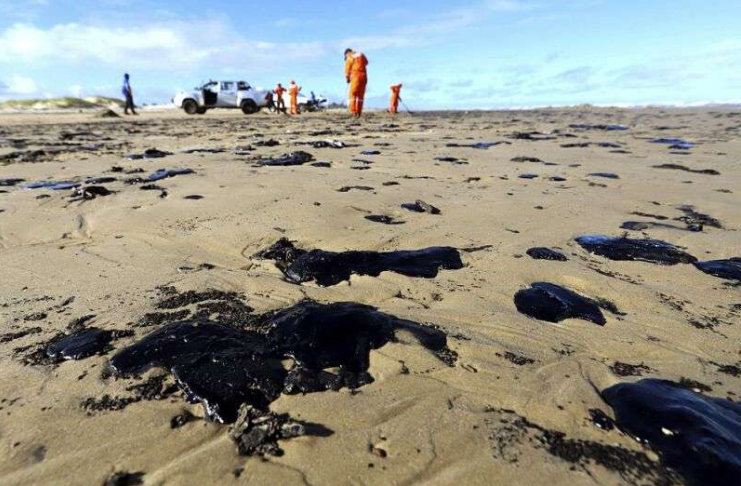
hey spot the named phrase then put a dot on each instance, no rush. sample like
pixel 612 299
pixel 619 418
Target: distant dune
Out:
pixel 67 103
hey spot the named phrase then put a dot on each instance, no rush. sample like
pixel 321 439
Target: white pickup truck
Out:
pixel 223 94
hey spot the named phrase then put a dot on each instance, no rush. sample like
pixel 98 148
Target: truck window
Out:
pixel 227 86
pixel 242 86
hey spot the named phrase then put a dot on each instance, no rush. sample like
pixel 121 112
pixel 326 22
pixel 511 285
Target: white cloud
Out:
pixel 380 42
pixel 427 32
pixel 73 43
pixel 509 6
pixel 76 91
pixel 180 46
pixel 286 22
pixel 395 13
pixel 424 86
pixel 18 85
pixel 461 83
pixel 26 10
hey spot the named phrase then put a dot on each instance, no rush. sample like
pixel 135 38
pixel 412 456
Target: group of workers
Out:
pixel 293 91
pixel 356 75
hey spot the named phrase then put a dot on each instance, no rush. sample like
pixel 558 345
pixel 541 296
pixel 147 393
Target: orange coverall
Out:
pixel 293 90
pixel 395 97
pixel 357 75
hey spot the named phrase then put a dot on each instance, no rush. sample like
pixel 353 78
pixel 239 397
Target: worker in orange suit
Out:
pixel 280 104
pixel 357 75
pixel 293 90
pixel 395 98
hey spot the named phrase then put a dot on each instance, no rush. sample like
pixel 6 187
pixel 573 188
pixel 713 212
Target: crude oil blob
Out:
pixel 80 345
pixel 420 206
pixel 10 182
pixel 540 253
pixel 609 128
pixel 152 153
pixel 674 143
pixel 54 186
pixel 606 175
pixel 217 365
pixel 328 268
pixel 293 158
pixel 698 436
pixel 167 173
pixel 728 269
pixel 160 174
pixel 223 367
pixel 552 303
pixel 687 169
pixel 383 219
pixel 626 249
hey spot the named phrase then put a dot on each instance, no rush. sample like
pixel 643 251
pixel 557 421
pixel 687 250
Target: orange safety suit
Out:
pixel 395 97
pixel 357 75
pixel 293 90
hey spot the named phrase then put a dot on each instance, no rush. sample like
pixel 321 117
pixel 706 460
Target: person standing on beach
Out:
pixel 129 96
pixel 280 104
pixel 293 90
pixel 356 75
pixel 395 98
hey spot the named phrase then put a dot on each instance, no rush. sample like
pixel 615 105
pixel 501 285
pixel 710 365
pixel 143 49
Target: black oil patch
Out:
pixel 727 269
pixel 223 367
pixel 626 249
pixel 698 436
pixel 540 253
pixel 330 268
pixel 552 303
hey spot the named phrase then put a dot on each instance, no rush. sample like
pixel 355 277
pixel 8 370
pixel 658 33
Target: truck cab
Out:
pixel 220 94
pixel 223 94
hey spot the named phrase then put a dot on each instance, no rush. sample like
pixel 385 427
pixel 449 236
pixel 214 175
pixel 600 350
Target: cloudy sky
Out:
pixel 465 54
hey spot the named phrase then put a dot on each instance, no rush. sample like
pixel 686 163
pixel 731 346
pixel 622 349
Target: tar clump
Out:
pixel 223 367
pixel 727 269
pixel 621 248
pixel 80 344
pixel 552 303
pixel 293 158
pixel 698 436
pixel 540 253
pixel 257 432
pixel 328 268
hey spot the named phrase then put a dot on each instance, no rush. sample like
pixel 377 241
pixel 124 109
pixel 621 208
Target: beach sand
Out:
pixel 421 421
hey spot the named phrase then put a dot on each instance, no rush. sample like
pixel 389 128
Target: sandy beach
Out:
pixel 508 399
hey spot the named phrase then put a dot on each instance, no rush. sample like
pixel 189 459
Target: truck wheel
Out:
pixel 201 111
pixel 249 107
pixel 190 107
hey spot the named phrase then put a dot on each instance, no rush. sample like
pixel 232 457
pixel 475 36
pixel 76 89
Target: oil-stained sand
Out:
pixel 523 402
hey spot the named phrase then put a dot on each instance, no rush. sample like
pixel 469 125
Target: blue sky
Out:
pixel 467 54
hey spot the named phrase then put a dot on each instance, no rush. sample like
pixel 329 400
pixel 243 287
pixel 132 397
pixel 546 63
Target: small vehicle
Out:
pixel 223 94
pixel 309 103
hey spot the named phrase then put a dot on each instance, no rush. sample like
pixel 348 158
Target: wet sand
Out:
pixel 490 415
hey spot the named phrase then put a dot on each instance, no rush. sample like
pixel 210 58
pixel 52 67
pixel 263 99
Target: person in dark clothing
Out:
pixel 280 104
pixel 128 95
